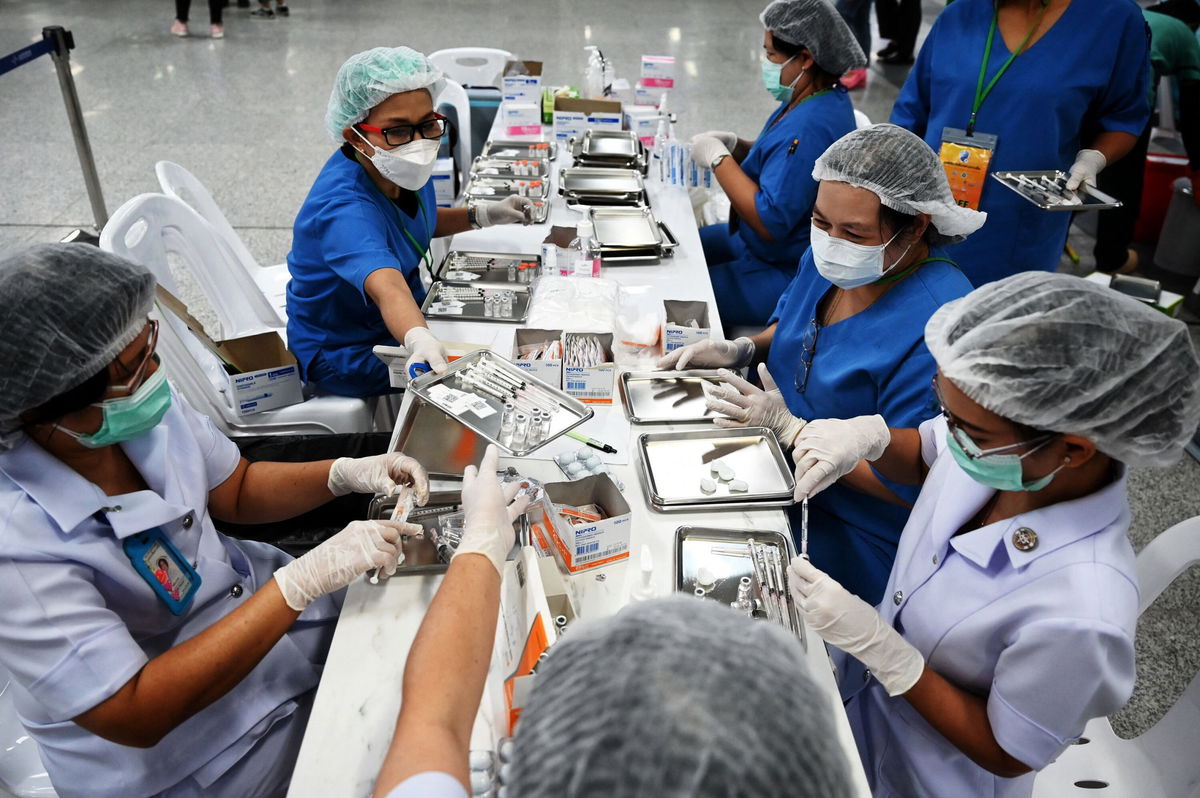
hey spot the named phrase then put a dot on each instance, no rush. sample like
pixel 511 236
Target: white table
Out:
pixel 359 696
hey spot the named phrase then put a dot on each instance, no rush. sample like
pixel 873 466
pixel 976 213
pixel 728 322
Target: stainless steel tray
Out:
pixel 568 412
pixel 446 300
pixel 666 397
pixel 503 148
pixel 585 181
pixel 420 554
pixel 539 214
pixel 437 441
pixel 725 555
pixel 488 187
pixel 609 144
pixel 511 167
pixel 461 265
pixel 1091 198
pixel 673 463
pixel 626 228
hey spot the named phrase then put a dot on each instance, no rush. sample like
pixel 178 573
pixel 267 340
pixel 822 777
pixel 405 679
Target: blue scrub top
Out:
pixel 873 362
pixel 1088 74
pixel 345 230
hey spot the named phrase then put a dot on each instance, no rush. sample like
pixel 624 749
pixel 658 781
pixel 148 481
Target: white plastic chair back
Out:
pixel 456 96
pixel 22 773
pixel 181 184
pixel 151 227
pixel 1163 760
pixel 861 120
pixel 199 376
pixel 472 66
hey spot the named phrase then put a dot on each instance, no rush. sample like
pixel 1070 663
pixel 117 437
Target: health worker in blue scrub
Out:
pixel 364 230
pixel 752 259
pixel 1037 85
pixel 1009 619
pixel 846 337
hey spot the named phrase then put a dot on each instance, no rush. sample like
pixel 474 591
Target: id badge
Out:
pixel 966 157
pixel 169 574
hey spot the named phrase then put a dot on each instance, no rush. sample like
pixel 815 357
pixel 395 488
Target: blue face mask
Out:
pixel 999 471
pixel 129 417
pixel 771 73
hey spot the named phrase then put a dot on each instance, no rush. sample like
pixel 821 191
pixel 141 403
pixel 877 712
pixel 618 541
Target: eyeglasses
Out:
pixel 138 374
pixel 808 346
pixel 403 134
pixel 969 446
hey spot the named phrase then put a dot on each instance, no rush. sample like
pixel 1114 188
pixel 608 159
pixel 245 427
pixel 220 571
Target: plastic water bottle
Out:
pixel 658 154
pixel 585 251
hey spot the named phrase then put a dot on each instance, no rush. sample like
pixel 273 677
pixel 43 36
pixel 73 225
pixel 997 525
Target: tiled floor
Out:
pixel 245 115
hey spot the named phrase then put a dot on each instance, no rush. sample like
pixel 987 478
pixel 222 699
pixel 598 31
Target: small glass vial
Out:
pixel 544 431
pixel 520 429
pixel 512 272
pixel 508 417
pixel 489 305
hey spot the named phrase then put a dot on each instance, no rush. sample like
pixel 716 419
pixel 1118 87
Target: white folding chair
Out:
pixel 150 228
pixel 22 774
pixel 1164 760
pixel 455 96
pixel 472 66
pixel 181 184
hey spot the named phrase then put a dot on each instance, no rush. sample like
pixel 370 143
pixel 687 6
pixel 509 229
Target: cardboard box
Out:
pixel 677 325
pixel 549 371
pixel 645 95
pixel 443 182
pixel 580 547
pixel 521 118
pixel 658 71
pixel 522 88
pixel 265 376
pixel 572 117
pixel 643 121
pixel 591 384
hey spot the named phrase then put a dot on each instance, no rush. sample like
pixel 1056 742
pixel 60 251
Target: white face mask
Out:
pixel 849 265
pixel 409 166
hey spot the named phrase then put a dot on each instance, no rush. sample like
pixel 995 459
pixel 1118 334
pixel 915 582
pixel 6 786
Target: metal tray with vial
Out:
pixel 511 168
pixel 631 236
pixel 666 397
pixel 672 466
pixel 584 186
pixel 505 148
pixel 498 267
pixel 503 303
pixel 609 148
pixel 715 563
pixel 420 554
pixel 489 395
pixel 489 187
pixel 1047 189
pixel 538 213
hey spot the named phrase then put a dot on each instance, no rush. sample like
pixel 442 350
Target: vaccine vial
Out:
pixel 549 259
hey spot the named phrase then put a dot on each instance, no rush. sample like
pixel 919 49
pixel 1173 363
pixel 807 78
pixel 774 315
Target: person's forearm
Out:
pixel 742 149
pixel 901 461
pixel 264 492
pixel 762 342
pixel 390 293
pixel 864 480
pixel 444 676
pixel 962 718
pixel 1114 145
pixel 451 221
pixel 188 677
pixel 741 191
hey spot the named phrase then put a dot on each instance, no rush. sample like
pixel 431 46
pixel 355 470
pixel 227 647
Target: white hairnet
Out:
pixel 370 77
pixel 816 26
pixel 906 175
pixel 1062 354
pixel 66 310
pixel 676 698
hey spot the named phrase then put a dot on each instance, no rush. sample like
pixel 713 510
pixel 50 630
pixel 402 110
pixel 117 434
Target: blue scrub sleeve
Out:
pixel 353 242
pixel 781 305
pixel 59 639
pixel 1054 677
pixel 912 107
pixel 906 399
pixel 431 784
pixel 786 190
pixel 1124 107
pixel 221 455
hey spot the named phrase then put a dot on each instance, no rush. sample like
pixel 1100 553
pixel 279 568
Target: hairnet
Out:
pixel 66 310
pixel 676 697
pixel 816 26
pixel 1062 354
pixel 900 168
pixel 370 77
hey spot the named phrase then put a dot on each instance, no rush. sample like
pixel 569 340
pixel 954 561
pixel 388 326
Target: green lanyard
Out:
pixel 981 92
pixel 911 269
pixel 426 258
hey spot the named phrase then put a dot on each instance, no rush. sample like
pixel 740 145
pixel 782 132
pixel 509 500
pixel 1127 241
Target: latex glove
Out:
pixel 846 621
pixel 362 546
pixel 747 405
pixel 381 473
pixel 710 354
pixel 1088 164
pixel 707 148
pixel 726 137
pixel 423 347
pixel 510 210
pixel 490 512
pixel 829 448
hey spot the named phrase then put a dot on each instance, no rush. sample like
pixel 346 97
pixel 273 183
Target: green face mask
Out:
pixel 129 417
pixel 999 471
pixel 771 75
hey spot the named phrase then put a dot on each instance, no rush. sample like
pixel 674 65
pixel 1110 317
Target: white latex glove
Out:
pixel 1088 164
pixel 510 210
pixel 829 448
pixel 362 546
pixel 709 354
pixel 747 405
pixel 490 512
pixel 423 347
pixel 381 473
pixel 846 621
pixel 726 137
pixel 707 148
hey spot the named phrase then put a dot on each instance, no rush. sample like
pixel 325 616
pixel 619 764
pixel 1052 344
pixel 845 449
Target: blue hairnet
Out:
pixel 370 77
